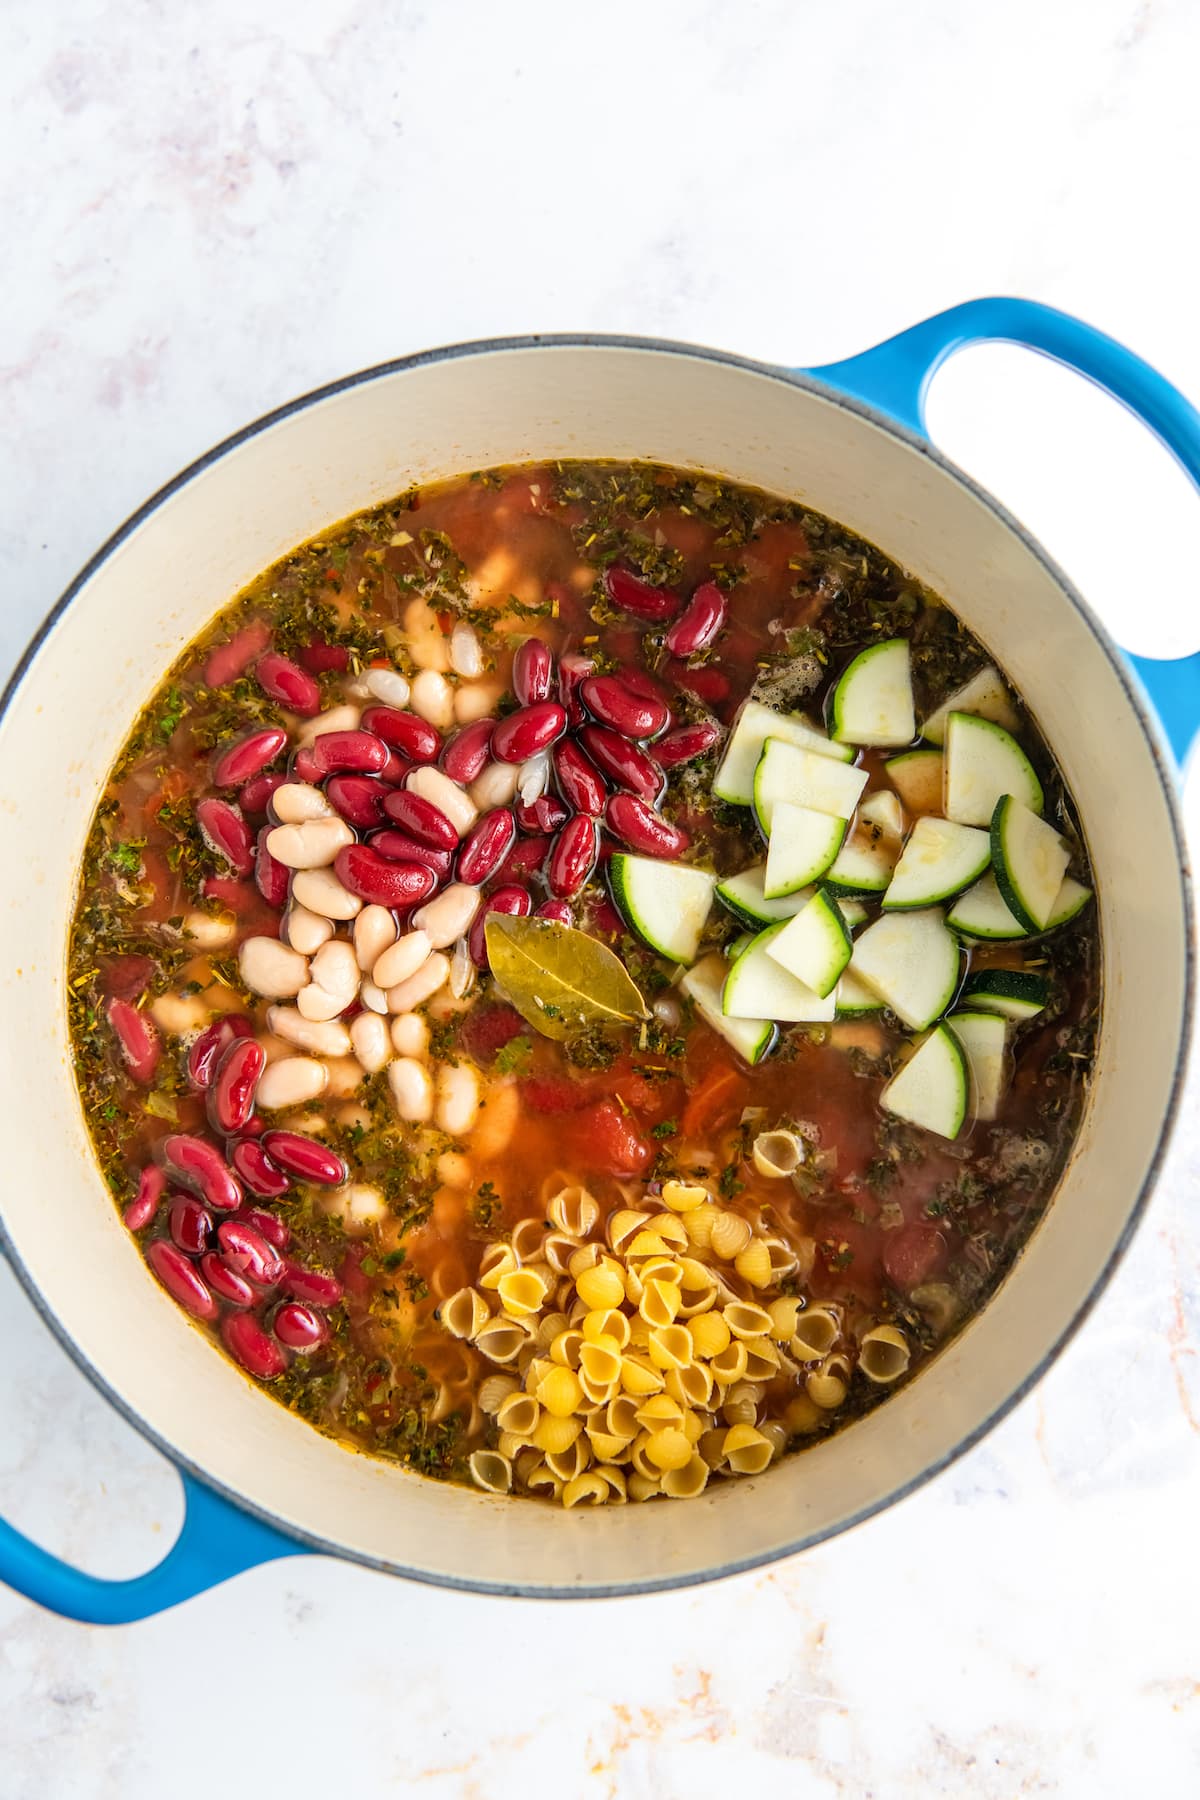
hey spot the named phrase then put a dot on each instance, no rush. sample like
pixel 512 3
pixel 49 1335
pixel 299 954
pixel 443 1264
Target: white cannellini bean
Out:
pixel 401 959
pixel 418 988
pixel 497 786
pixel 445 794
pixel 457 1099
pixel 432 698
pixel 210 931
pixel 345 1077
pixel 290 1082
pixel 454 1169
pixel 534 777
pixel 462 970
pixel 306 931
pixel 320 1037
pixel 477 699
pixel 335 968
pixel 426 643
pixel 338 718
pixel 373 997
pixel 446 918
pixel 374 930
pixel 372 1045
pixel 318 1004
pixel 295 802
pixel 312 845
pixel 466 658
pixel 272 968
pixel 178 1013
pixel 322 892
pixel 498 1119
pixel 410 1034
pixel 357 1203
pixel 387 686
pixel 412 1089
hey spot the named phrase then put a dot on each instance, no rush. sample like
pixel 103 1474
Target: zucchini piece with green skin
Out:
pixel 912 962
pixel 754 724
pixel 862 866
pixel 735 946
pixel 1069 902
pixel 983 763
pixel 938 861
pixel 932 1088
pixel 919 778
pixel 985 695
pixel 854 998
pixel 1029 861
pixel 815 946
pixel 981 913
pixel 803 844
pixel 984 1038
pixel 802 778
pixel 703 984
pixel 1016 994
pixel 873 700
pixel 756 987
pixel 883 812
pixel 666 903
pixel 744 896
pixel 853 911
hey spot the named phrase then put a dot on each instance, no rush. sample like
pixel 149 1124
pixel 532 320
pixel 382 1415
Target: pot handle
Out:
pixel 217 1541
pixel 894 377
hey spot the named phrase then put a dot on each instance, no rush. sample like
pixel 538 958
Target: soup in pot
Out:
pixel 583 978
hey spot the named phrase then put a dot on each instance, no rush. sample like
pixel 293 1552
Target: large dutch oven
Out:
pixel 847 439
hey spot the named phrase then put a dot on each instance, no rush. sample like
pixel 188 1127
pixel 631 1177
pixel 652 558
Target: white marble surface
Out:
pixel 209 208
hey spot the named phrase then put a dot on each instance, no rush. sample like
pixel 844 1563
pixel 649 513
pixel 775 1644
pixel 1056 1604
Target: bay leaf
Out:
pixel 559 979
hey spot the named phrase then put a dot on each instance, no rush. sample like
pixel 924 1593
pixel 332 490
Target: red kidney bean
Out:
pixel 533 672
pixel 573 668
pixel 284 681
pixel 138 1038
pixel 319 658
pixel 227 661
pixel 525 859
pixel 699 622
pixel 558 910
pixel 255 797
pixel 573 857
pixel 128 976
pixel 395 769
pixel 640 681
pixel 397 846
pixel 414 737
pixel 685 743
pixel 633 715
pixel 374 879
pixel 268 1225
pixel 421 819
pixel 311 1285
pixel 624 763
pixel 630 594
pixel 581 783
pixel 299 1327
pixel 248 1344
pixel 152 1185
pixel 261 1176
pixel 236 896
pixel 206 1050
pixel 271 877
pixel 249 756
pixel 255 1125
pixel 468 752
pixel 605 917
pixel 180 1279
pixel 225 831
pixel 526 732
pixel 190 1224
pixel 304 1158
pixel 226 1281
pixel 305 766
pixel 248 1252
pixel 486 846
pixel 541 817
pixel 357 798
pixel 708 684
pixel 231 1095
pixel 351 752
pixel 512 900
pixel 198 1165
pixel 644 830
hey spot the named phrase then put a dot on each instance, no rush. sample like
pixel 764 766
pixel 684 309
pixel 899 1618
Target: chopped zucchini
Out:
pixel 855 998
pixel 757 987
pixel 981 913
pixel 744 896
pixel 863 865
pixel 912 962
pixel 1029 860
pixel 803 778
pixel 1016 994
pixel 704 984
pixel 984 1038
pixel 883 811
pixel 918 778
pixel 985 695
pixel 814 946
pixel 755 723
pixel 873 701
pixel 939 860
pixel 931 1089
pixel 984 762
pixel 735 946
pixel 853 911
pixel 666 903
pixel 802 845
pixel 1069 902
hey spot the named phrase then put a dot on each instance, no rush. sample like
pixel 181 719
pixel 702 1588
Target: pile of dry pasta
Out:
pixel 647 1363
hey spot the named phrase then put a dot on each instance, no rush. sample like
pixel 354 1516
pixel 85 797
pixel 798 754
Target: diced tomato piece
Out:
pixel 717 1101
pixel 554 1094
pixel 914 1254
pixel 128 976
pixel 486 1030
pixel 611 1141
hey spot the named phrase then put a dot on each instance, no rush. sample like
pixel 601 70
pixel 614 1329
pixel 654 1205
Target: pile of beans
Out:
pixel 393 822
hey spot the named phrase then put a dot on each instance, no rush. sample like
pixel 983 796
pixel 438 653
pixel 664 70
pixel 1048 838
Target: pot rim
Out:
pixel 1164 765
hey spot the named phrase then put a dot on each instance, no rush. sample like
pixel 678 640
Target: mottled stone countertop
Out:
pixel 210 208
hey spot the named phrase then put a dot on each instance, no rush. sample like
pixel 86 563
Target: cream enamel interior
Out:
pixel 277 487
